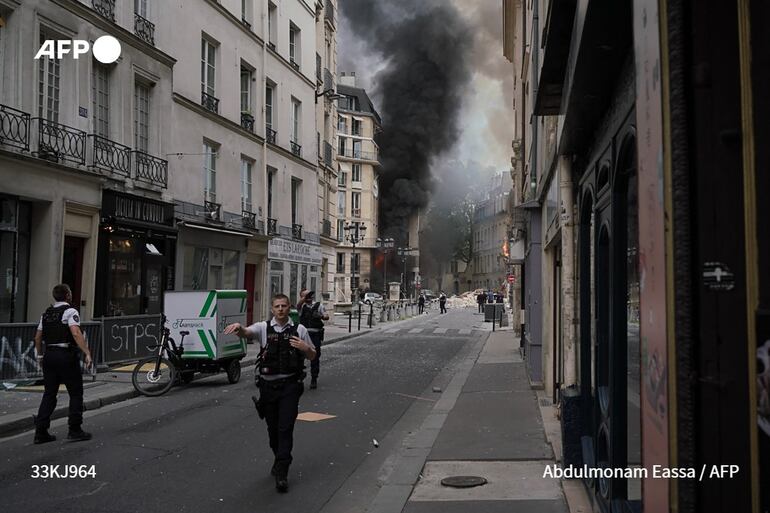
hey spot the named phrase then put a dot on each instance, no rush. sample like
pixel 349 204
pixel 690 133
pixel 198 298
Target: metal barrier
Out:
pixel 17 350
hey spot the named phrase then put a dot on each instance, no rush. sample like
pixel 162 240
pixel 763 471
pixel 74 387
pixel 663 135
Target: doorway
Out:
pixel 72 267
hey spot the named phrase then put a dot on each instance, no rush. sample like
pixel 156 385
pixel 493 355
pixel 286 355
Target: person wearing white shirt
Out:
pixel 281 379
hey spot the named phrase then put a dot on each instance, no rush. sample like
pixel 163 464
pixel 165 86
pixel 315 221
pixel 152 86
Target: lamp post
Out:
pixel 355 233
pixel 385 245
pixel 403 253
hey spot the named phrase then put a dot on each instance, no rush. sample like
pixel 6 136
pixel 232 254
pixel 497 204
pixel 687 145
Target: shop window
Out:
pixel 126 273
pixel 14 259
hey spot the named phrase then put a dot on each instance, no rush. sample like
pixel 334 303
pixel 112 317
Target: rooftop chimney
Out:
pixel 348 79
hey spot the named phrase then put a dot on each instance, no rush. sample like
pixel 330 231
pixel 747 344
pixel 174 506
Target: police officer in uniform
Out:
pixel 59 329
pixel 312 315
pixel 281 374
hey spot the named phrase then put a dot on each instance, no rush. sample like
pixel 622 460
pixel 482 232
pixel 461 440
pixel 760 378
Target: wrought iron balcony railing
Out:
pixel 296 231
pixel 326 228
pixel 296 149
pixel 144 29
pixel 110 156
pixel 210 102
pixel 249 219
pixel 355 212
pixel 272 226
pixel 247 121
pixel 271 45
pixel 105 7
pixel 14 128
pixel 56 142
pixel 328 80
pixel 270 135
pixel 213 210
pixel 294 64
pixel 150 169
pixel 246 23
pixel 352 153
pixel 327 154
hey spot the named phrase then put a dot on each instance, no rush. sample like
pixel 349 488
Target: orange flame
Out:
pixel 505 249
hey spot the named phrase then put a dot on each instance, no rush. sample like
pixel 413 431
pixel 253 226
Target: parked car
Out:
pixel 371 297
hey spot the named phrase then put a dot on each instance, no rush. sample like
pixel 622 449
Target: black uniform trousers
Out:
pixel 442 305
pixel 315 365
pixel 280 404
pixel 421 307
pixel 61 366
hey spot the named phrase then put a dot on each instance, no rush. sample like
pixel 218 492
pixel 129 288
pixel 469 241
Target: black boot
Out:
pixel 274 469
pixel 313 383
pixel 281 477
pixel 78 435
pixel 42 436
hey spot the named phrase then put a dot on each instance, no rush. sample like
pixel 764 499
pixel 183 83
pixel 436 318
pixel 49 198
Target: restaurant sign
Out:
pixel 136 208
pixel 293 251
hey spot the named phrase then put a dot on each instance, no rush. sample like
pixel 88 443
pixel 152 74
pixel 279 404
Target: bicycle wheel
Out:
pixel 150 383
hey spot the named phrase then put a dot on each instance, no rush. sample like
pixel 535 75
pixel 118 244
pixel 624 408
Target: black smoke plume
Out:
pixel 425 45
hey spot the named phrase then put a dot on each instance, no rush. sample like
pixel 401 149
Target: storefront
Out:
pixel 293 265
pixel 137 250
pixel 15 216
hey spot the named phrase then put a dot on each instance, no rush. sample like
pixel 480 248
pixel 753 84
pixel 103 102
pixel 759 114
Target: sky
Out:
pixel 485 116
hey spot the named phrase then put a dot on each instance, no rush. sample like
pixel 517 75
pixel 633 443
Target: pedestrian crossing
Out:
pixel 429 331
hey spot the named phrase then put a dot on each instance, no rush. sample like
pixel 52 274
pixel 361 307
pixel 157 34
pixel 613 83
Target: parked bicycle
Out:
pixel 156 374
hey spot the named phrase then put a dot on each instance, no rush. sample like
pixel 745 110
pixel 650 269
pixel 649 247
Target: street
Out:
pixel 202 447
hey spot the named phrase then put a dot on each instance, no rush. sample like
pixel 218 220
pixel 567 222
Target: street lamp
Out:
pixel 403 253
pixel 385 245
pixel 355 233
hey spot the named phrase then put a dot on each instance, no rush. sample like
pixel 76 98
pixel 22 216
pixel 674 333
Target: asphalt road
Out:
pixel 202 448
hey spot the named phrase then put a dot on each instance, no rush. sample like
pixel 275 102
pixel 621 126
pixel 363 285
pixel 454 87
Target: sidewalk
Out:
pixel 18 405
pixel 487 423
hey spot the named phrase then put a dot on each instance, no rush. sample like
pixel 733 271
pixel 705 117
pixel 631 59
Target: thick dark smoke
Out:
pixel 425 46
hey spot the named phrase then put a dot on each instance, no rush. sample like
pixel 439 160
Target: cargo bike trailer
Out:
pixel 197 319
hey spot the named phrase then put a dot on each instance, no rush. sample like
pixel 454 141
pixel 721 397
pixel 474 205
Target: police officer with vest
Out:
pixel 312 315
pixel 281 374
pixel 59 331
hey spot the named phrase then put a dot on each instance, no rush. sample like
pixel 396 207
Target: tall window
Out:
pixel 295 199
pixel 208 67
pixel 100 99
pixel 246 11
pixel 340 262
pixel 341 146
pixel 269 106
pixel 342 125
pixel 293 44
pixel 246 198
pixel 355 204
pixel 209 172
pixel 295 121
pixel 141 116
pixel 356 175
pixel 270 180
pixel 272 18
pixel 340 232
pixel 246 78
pixel 340 203
pixel 140 8
pixel 356 149
pixel 342 179
pixel 356 126
pixel 49 77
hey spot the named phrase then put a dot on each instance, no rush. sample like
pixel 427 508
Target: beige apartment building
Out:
pixel 490 228
pixel 358 123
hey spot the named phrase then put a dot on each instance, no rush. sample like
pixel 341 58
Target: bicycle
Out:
pixel 155 375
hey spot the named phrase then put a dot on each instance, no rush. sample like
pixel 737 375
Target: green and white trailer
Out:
pixel 204 315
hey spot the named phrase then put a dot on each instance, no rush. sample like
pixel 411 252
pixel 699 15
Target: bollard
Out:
pixel 371 313
pixel 350 321
pixel 494 318
pixel 359 316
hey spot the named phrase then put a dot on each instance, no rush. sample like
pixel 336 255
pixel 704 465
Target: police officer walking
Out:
pixel 281 375
pixel 442 303
pixel 312 315
pixel 59 330
pixel 421 303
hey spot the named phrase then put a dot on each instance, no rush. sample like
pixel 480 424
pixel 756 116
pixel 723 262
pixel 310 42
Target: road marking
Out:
pixel 415 330
pixel 310 416
pixel 439 331
pixel 414 397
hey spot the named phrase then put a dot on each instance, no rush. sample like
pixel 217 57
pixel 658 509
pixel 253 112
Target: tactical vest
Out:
pixel 280 357
pixel 308 317
pixel 55 331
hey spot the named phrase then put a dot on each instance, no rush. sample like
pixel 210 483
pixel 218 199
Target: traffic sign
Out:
pixel 511 278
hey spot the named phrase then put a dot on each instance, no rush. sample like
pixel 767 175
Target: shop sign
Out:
pixel 282 249
pixel 135 208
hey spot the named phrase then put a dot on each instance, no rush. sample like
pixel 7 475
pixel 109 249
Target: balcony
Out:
pixel 149 169
pixel 296 149
pixel 247 121
pixel 353 153
pixel 294 64
pixel 270 135
pixel 213 210
pixel 106 8
pixel 272 226
pixel 57 142
pixel 296 231
pixel 355 212
pixel 327 154
pixel 14 128
pixel 144 29
pixel 210 103
pixel 326 228
pixel 249 219
pixel 110 156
